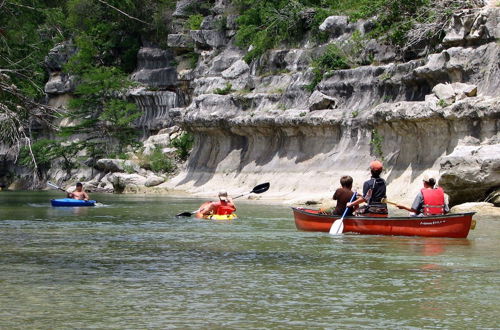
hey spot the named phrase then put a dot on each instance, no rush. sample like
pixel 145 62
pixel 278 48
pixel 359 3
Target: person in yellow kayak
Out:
pixel 224 206
pixel 79 193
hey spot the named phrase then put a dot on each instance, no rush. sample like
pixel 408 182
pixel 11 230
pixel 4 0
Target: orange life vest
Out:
pixel 433 201
pixel 223 208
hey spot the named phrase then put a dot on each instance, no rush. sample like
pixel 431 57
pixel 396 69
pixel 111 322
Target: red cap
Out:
pixel 376 165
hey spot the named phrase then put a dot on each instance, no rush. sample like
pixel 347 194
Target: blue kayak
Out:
pixel 71 202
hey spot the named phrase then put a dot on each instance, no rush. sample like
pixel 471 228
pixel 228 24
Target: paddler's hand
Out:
pixel 349 204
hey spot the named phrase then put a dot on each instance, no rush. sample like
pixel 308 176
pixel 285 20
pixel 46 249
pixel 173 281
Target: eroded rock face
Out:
pixel 154 68
pixel 469 173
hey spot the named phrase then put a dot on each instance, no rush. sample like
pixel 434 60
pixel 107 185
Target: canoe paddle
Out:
pixel 338 225
pixel 385 201
pixel 50 184
pixel 259 189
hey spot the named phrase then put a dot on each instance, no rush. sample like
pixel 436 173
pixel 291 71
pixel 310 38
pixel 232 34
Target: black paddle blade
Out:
pixel 184 214
pixel 263 187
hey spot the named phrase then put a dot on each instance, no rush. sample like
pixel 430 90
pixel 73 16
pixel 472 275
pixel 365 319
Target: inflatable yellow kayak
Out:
pixel 232 216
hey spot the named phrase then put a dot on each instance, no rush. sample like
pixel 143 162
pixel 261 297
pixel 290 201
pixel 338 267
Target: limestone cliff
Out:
pixel 268 127
pixel 261 121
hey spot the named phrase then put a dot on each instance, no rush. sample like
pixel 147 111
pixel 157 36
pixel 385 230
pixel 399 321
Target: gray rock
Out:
pixel 123 182
pixel 444 92
pixel 116 165
pixel 155 68
pixel 155 107
pixel 236 69
pixel 184 8
pixel 471 27
pixel 59 56
pixel 470 172
pixel 336 25
pixel 60 83
pixel 180 41
pixel 154 180
pixel 466 89
pixel 454 92
pixel 320 101
pixel 154 141
pixel 208 38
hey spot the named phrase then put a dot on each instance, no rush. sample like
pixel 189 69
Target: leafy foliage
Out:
pixel 40 155
pixel 224 91
pixel 194 21
pixel 184 144
pixel 331 59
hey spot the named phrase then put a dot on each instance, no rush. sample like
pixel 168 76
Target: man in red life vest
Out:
pixel 224 206
pixel 429 201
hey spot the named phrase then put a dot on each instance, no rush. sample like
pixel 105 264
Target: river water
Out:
pixel 132 264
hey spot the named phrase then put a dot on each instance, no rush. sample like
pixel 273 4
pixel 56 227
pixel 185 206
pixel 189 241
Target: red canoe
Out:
pixel 449 225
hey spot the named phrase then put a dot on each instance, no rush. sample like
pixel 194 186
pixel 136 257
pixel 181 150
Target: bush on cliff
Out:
pixel 184 144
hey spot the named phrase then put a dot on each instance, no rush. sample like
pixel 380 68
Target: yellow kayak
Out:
pixel 232 216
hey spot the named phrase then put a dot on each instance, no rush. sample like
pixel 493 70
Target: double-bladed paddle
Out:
pixel 259 189
pixel 50 184
pixel 338 225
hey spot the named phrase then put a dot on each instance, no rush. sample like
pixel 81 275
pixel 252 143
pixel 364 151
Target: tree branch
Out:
pixel 122 12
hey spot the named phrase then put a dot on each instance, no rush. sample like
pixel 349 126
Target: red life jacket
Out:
pixel 433 201
pixel 223 208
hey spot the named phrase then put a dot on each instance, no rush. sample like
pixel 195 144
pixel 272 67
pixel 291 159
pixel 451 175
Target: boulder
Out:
pixel 59 56
pixel 184 8
pixel 444 92
pixel 336 25
pixel 59 83
pixel 482 209
pixel 470 172
pixel 123 182
pixel 116 165
pixel 154 180
pixel 470 28
pixel 465 89
pixel 208 38
pixel 454 92
pixel 180 41
pixel 236 69
pixel 320 101
pixel 159 140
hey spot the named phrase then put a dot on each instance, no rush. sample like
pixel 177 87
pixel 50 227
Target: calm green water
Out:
pixel 131 264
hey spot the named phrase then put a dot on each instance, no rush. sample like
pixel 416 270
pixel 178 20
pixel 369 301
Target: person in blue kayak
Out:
pixel 79 193
pixel 373 192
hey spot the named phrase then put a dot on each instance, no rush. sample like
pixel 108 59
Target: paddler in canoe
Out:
pixel 430 200
pixel 223 209
pixel 343 195
pixel 374 190
pixel 79 193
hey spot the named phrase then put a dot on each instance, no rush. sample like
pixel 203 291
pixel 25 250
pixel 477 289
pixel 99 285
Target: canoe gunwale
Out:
pixel 444 216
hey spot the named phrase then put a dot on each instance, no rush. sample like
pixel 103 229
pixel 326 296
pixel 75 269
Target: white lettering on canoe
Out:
pixel 437 222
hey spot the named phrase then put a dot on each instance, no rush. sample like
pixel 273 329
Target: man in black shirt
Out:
pixel 373 192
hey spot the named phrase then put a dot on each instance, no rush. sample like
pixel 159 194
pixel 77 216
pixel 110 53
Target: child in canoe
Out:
pixel 342 195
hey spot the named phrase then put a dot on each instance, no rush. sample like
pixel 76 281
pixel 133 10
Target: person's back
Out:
pixel 343 195
pixel 430 200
